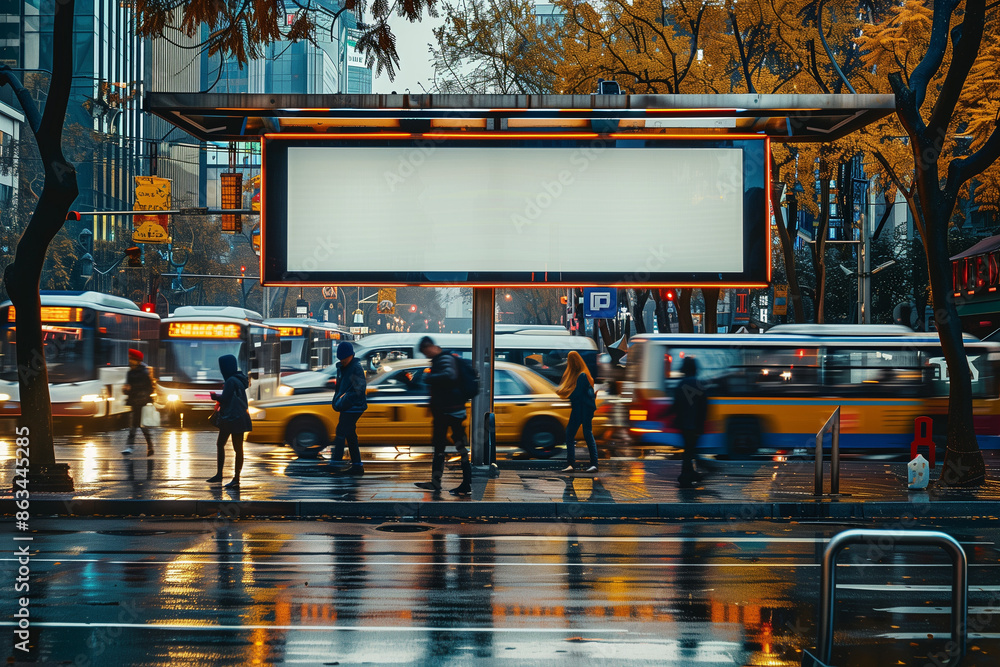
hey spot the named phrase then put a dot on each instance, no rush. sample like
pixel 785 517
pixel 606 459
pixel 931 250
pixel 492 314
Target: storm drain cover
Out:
pixel 404 527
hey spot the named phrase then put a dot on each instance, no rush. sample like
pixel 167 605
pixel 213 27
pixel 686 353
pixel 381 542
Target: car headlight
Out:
pixel 173 398
pixel 91 398
pixel 285 390
pixel 256 414
pixel 4 397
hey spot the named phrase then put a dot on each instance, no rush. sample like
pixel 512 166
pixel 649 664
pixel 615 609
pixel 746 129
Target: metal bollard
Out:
pixel 833 424
pixel 923 434
pixel 828 585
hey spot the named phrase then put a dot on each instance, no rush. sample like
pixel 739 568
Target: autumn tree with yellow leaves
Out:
pixel 237 31
pixel 941 63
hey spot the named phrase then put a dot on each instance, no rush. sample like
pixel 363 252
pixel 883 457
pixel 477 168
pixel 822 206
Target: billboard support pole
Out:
pixel 483 316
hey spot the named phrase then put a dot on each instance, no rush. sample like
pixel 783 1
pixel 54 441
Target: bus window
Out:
pixel 874 372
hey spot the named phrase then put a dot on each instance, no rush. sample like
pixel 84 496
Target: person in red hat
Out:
pixel 138 389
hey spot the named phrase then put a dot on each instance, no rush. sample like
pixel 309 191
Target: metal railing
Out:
pixel 833 425
pixel 828 584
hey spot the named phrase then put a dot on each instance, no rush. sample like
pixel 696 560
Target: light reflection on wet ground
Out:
pixel 184 459
pixel 216 592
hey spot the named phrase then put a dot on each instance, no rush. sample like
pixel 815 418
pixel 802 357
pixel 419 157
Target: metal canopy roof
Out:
pixel 786 118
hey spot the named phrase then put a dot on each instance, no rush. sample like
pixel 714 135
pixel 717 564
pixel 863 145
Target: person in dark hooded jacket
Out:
pixel 234 416
pixel 690 408
pixel 350 401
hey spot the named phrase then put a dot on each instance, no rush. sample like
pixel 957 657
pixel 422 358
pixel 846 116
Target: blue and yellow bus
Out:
pixel 773 393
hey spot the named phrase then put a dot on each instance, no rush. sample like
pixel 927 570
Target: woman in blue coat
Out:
pixel 234 417
pixel 578 386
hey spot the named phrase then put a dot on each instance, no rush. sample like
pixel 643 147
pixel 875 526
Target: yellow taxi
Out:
pixel 528 412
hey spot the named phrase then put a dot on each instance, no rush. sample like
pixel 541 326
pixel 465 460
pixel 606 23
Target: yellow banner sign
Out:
pixel 781 299
pixel 152 193
pixel 386 301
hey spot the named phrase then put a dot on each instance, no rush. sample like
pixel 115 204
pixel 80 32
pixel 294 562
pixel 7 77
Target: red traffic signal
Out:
pixel 147 307
pixel 667 294
pixel 243 270
pixel 134 255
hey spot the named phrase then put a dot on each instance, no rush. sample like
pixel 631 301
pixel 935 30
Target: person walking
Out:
pixel 690 409
pixel 234 417
pixel 448 412
pixel 578 386
pixel 350 400
pixel 138 390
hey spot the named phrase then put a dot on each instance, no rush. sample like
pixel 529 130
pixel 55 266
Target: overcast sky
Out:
pixel 414 60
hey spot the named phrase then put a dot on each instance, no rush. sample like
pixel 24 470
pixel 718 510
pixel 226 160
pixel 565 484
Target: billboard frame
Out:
pixel 756 228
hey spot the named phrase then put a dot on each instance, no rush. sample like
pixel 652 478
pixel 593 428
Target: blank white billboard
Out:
pixel 430 209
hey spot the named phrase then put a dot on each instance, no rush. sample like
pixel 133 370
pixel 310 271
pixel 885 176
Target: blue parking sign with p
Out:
pixel 601 302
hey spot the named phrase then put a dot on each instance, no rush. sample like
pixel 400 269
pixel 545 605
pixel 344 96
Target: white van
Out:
pixel 542 350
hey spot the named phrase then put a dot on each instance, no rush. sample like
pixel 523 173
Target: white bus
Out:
pixel 191 341
pixel 540 350
pixel 86 337
pixel 307 344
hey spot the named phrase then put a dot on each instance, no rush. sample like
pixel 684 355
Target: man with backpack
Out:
pixel 448 396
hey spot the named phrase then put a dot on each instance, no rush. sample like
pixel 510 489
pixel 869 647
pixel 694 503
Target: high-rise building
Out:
pixel 11 121
pixel 104 119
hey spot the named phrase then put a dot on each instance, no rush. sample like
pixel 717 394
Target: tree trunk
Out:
pixel 606 335
pixel 22 278
pixel 787 233
pixel 711 296
pixel 963 461
pixel 662 316
pixel 685 323
pixel 638 305
pixel 819 247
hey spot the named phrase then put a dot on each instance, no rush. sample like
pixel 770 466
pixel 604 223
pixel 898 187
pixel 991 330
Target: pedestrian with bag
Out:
pixel 690 409
pixel 350 401
pixel 232 417
pixel 448 397
pixel 578 386
pixel 138 390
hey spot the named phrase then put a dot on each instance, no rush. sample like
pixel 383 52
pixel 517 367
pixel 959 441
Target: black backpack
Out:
pixel 468 378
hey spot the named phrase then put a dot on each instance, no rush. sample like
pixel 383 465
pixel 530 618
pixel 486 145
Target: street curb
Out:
pixel 491 510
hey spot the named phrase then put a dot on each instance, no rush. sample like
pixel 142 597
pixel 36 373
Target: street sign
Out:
pixel 741 309
pixel 255 240
pixel 780 300
pixel 386 301
pixel 152 193
pixel 330 292
pixel 601 302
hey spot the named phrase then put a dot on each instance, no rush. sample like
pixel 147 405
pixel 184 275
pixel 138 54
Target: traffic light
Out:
pixel 413 308
pixel 667 294
pixel 148 307
pixel 134 255
pixel 243 270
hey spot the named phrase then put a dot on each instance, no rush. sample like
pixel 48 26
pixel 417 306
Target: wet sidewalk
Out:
pixel 275 483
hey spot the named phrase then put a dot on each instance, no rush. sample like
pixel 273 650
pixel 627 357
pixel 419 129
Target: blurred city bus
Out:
pixel 774 392
pixel 307 344
pixel 86 337
pixel 194 337
pixel 541 350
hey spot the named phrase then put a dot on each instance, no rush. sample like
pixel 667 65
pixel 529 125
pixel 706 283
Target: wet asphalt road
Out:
pixel 219 592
